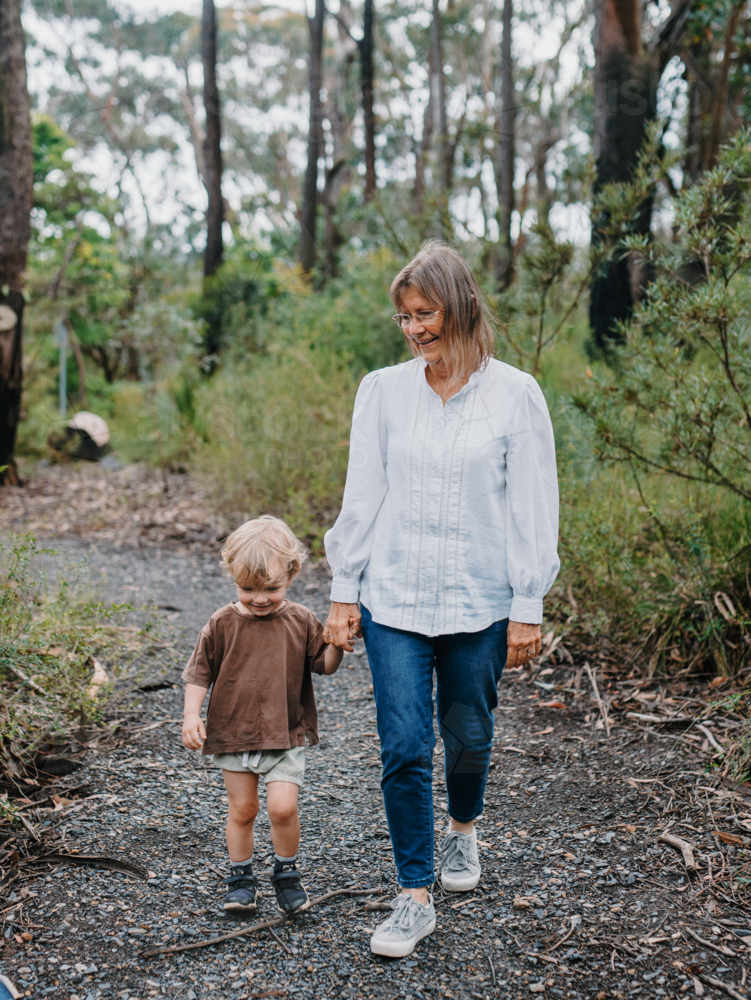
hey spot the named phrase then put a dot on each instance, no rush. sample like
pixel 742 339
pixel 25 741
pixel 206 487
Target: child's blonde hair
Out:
pixel 261 550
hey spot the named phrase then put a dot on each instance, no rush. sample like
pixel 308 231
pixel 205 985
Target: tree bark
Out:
pixel 438 94
pixel 506 122
pixel 719 109
pixel 16 177
pixel 212 167
pixel 338 111
pixel 197 134
pixel 422 148
pixel 365 46
pixel 212 146
pixel 625 82
pixel 309 213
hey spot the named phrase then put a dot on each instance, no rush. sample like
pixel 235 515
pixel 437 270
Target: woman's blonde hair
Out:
pixel 261 550
pixel 444 278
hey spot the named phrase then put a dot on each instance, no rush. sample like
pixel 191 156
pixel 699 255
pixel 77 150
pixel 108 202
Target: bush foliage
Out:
pixel 50 634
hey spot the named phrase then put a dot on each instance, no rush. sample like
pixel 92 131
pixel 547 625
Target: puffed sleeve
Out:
pixel 348 543
pixel 200 667
pixel 531 506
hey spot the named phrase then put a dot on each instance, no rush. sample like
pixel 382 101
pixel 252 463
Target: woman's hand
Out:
pixel 343 625
pixel 524 643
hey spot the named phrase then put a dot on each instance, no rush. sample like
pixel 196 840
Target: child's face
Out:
pixel 263 598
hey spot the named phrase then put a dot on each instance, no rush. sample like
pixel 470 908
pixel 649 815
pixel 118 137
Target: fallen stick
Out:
pixel 167 950
pixel 710 737
pixel 684 847
pixel 29 827
pixel 154 725
pixel 721 986
pixel 89 861
pixel 722 948
pixel 563 939
pixel 25 679
pixel 603 710
pixel 622 947
pixel 492 969
pixel 276 937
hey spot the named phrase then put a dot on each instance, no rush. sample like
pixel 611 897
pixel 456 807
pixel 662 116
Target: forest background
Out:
pixel 220 203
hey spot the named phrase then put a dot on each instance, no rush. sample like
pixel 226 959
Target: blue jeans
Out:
pixel 468 667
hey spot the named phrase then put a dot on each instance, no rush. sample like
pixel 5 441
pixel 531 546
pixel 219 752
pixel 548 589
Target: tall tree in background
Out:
pixel 309 212
pixel 718 87
pixel 506 124
pixel 212 165
pixel 365 46
pixel 16 173
pixel 627 73
pixel 438 97
pixel 625 95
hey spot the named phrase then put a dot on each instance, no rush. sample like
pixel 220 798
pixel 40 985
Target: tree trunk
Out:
pixel 720 108
pixel 309 212
pixel 625 83
pixel 423 147
pixel 365 46
pixel 338 111
pixel 438 94
pixel 212 165
pixel 212 148
pixel 505 164
pixel 197 134
pixel 16 168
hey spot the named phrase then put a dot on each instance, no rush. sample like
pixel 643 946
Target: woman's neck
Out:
pixel 441 382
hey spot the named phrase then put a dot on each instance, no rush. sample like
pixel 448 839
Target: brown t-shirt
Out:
pixel 262 696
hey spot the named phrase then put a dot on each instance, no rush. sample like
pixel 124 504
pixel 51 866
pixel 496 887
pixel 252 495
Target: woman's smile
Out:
pixel 427 336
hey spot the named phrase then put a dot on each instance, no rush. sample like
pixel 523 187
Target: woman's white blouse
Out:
pixel 450 514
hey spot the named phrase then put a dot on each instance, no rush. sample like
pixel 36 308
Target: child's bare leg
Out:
pixel 242 795
pixel 281 802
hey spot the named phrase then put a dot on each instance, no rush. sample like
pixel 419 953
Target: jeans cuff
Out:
pixel 417 883
pixel 469 819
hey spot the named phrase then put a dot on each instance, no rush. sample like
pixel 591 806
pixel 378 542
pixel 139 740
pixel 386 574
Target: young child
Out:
pixel 259 653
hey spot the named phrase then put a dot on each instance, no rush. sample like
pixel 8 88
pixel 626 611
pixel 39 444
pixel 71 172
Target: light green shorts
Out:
pixel 272 765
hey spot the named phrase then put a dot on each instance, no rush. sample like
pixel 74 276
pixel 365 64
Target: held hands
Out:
pixel 194 732
pixel 524 643
pixel 343 625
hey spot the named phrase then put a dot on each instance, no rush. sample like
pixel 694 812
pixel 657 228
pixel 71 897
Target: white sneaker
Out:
pixel 460 865
pixel 409 923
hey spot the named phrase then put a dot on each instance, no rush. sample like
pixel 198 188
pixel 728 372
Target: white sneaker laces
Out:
pixel 404 915
pixel 456 856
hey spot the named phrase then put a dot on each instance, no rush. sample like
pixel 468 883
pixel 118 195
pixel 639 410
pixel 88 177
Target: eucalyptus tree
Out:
pixel 212 147
pixel 719 98
pixel 627 72
pixel 16 168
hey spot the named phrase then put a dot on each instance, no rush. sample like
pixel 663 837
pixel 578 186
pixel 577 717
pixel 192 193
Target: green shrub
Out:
pixel 276 439
pixel 49 637
pixel 674 411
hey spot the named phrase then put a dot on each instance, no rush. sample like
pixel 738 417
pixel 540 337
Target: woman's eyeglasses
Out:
pixel 422 318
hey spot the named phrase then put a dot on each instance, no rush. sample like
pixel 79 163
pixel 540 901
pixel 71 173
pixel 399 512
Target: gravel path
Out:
pixel 569 848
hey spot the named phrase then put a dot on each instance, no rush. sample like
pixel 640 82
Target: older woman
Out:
pixel 447 538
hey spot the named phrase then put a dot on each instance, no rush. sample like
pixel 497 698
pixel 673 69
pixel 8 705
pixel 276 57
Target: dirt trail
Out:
pixel 578 898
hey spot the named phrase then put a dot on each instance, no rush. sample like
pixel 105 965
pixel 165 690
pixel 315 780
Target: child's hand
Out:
pixel 194 732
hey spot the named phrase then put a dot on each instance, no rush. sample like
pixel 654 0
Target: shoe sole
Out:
pixel 240 907
pixel 291 913
pixel 400 949
pixel 460 884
